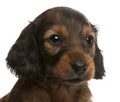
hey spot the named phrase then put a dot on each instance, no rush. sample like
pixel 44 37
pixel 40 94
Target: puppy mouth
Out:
pixel 72 81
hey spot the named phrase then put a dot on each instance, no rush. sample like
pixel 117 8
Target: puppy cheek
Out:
pixel 90 73
pixel 92 69
pixel 52 50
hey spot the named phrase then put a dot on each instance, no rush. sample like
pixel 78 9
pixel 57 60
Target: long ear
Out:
pixel 99 66
pixel 22 59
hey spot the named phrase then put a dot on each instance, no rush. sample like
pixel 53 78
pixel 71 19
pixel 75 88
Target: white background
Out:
pixel 15 14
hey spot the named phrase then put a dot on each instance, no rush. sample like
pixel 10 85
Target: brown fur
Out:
pixel 54 57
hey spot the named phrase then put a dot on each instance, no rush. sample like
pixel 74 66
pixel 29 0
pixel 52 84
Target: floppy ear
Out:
pixel 99 66
pixel 22 59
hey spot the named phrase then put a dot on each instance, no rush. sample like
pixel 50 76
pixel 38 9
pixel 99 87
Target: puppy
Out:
pixel 54 57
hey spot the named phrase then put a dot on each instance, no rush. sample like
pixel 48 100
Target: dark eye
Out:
pixel 89 39
pixel 55 39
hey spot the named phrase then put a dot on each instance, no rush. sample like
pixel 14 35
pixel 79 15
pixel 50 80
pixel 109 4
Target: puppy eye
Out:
pixel 90 39
pixel 55 39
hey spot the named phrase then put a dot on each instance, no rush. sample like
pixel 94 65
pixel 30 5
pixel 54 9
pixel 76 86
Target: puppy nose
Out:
pixel 79 67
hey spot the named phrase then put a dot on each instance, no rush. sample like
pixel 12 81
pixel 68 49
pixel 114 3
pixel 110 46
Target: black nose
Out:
pixel 79 67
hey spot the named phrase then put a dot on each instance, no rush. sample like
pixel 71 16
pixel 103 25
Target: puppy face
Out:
pixel 71 55
pixel 60 45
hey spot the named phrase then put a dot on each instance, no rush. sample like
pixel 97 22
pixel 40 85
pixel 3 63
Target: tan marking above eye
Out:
pixel 88 30
pixel 57 29
pixel 49 33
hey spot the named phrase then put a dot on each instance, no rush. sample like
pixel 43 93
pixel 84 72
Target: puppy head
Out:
pixel 60 44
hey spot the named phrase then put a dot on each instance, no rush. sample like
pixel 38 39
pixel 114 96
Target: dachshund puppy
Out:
pixel 54 57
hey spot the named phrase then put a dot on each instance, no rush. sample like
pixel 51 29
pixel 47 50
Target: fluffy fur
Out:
pixel 54 57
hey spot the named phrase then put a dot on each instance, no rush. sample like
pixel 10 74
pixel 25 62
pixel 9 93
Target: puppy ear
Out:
pixel 22 59
pixel 99 66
